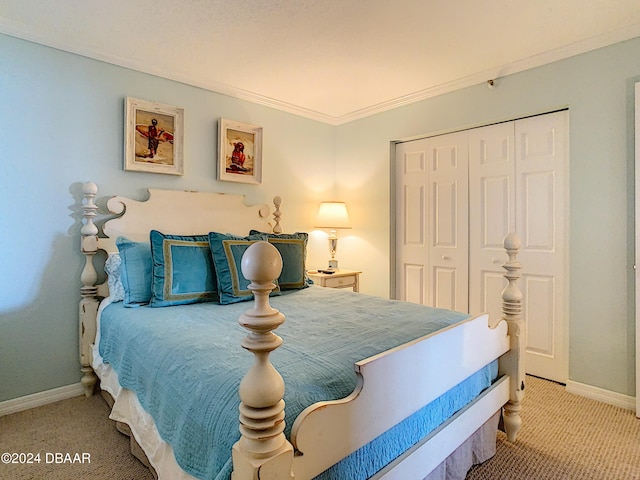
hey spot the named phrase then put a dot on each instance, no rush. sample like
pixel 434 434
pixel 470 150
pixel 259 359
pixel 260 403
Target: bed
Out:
pixel 354 387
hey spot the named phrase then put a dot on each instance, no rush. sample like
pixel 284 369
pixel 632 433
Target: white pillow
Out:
pixel 112 267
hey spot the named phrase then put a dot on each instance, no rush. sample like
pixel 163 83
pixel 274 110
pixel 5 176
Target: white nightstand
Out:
pixel 337 279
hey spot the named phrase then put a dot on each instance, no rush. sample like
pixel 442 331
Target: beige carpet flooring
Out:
pixel 78 425
pixel 563 437
pixel 566 436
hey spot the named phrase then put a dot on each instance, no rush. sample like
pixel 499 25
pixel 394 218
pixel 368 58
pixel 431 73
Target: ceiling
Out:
pixel 330 60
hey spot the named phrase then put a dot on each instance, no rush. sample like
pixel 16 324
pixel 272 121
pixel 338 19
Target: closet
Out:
pixel 458 195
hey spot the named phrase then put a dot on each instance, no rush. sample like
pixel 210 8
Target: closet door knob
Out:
pixel 496 261
pixel 444 257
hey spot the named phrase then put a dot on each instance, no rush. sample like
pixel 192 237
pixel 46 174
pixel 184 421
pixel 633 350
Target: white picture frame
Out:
pixel 154 134
pixel 239 152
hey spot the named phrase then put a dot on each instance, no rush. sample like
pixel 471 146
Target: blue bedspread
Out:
pixel 185 364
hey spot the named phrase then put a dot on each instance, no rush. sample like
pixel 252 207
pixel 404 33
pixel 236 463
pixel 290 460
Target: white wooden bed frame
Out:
pixel 387 389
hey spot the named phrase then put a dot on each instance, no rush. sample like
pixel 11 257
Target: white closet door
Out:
pixel 412 250
pixel 458 195
pixel 448 214
pixel 432 222
pixel 541 221
pixel 491 213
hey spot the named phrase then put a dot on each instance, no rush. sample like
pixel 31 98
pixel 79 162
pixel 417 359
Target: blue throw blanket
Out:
pixel 185 364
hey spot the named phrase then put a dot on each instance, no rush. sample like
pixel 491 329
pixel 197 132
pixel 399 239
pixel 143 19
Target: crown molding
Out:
pixel 544 58
pixel 24 32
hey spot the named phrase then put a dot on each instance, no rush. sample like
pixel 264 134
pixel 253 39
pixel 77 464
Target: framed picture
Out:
pixel 239 152
pixel 153 137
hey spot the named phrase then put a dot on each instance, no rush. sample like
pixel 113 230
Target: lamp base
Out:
pixel 333 264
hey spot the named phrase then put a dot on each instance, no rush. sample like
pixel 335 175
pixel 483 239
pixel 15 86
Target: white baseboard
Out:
pixel 41 398
pixel 602 395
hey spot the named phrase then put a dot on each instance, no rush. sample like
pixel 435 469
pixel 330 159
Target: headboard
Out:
pixel 169 211
pixel 188 213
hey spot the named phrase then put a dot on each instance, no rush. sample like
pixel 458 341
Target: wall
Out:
pixel 598 89
pixel 62 124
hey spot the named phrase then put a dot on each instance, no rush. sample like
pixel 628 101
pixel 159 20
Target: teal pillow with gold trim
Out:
pixel 293 250
pixel 183 270
pixel 227 251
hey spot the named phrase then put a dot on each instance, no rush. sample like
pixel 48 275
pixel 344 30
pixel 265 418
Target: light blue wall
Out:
pixel 61 123
pixel 597 87
pixel 61 118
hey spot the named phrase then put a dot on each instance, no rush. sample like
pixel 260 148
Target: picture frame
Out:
pixel 239 152
pixel 154 134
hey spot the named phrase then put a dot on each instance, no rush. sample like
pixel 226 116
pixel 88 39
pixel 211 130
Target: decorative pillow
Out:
pixel 112 268
pixel 227 251
pixel 293 250
pixel 135 271
pixel 182 270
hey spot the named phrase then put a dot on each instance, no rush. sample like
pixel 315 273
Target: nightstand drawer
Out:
pixel 338 282
pixel 337 279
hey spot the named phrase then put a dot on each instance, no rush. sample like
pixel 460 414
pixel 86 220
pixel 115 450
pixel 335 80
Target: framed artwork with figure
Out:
pixel 153 137
pixel 239 152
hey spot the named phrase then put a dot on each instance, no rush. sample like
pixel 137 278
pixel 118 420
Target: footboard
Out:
pixel 391 386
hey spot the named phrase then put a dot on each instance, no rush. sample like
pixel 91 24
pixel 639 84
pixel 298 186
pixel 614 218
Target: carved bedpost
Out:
pixel 512 363
pixel 277 202
pixel 263 451
pixel 89 291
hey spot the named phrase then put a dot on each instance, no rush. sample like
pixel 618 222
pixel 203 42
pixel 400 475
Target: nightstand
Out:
pixel 338 279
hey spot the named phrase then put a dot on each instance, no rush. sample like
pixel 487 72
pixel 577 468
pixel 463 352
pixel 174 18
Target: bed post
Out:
pixel 277 202
pixel 512 363
pixel 89 290
pixel 263 451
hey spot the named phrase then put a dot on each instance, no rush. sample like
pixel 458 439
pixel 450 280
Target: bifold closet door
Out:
pixel 492 201
pixel 448 216
pixel 542 161
pixel 412 251
pixel 517 183
pixel 432 222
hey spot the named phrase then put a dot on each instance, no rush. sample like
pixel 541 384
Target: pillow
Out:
pixel 182 270
pixel 293 250
pixel 112 268
pixel 135 271
pixel 227 251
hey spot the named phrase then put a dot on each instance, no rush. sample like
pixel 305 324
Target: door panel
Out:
pixel 491 213
pixel 447 159
pixel 412 254
pixel 541 166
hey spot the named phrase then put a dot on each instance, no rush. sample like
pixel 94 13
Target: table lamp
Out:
pixel 333 215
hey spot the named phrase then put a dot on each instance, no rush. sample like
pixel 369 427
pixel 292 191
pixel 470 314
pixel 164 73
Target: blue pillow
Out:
pixel 182 270
pixel 135 271
pixel 227 251
pixel 293 250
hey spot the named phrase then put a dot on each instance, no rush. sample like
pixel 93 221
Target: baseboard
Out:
pixel 41 398
pixel 602 395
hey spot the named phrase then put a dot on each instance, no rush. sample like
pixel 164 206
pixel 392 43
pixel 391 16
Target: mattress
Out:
pixel 185 363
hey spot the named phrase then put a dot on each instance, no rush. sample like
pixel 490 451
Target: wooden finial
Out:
pixel 263 445
pixel 277 202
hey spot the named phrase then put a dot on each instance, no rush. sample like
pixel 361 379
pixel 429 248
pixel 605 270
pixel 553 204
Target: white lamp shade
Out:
pixel 333 215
